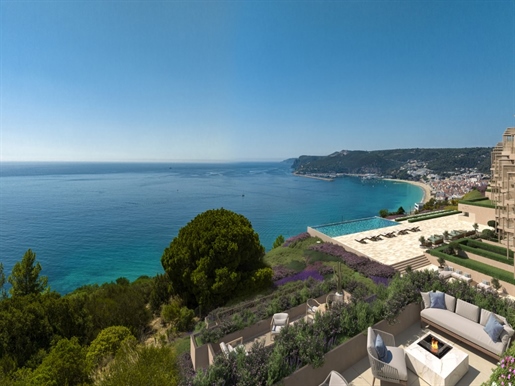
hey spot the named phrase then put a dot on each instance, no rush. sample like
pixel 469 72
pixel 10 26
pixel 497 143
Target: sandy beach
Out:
pixel 425 187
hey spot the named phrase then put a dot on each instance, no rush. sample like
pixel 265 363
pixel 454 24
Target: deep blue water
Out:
pixel 92 223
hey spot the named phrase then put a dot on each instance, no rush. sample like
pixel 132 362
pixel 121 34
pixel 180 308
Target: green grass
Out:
pixel 182 345
pixel 296 257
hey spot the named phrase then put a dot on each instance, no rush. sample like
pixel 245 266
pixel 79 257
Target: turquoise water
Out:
pixel 355 226
pixel 93 223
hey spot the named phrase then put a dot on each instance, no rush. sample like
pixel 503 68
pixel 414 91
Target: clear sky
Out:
pixel 251 80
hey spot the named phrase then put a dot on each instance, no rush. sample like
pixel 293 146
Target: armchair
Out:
pixel 334 379
pixel 312 307
pixel 278 322
pixel 393 369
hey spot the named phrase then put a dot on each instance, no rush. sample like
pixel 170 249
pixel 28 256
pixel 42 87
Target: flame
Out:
pixel 434 344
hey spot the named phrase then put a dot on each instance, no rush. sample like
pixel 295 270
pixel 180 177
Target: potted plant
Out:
pixel 495 283
pixel 422 240
pixel 441 262
pixel 446 235
pixel 338 297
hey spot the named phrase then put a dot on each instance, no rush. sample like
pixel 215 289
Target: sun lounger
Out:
pixel 362 241
pixel 375 238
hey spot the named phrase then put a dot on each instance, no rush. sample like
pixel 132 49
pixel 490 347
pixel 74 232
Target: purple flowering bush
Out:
pixel 504 374
pixel 361 264
pixel 280 272
pixel 320 267
pixel 304 275
pixel 290 242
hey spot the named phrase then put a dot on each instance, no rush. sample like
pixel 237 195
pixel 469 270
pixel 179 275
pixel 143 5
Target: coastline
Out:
pixel 425 187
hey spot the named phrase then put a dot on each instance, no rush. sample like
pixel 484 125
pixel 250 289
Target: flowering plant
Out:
pixel 504 374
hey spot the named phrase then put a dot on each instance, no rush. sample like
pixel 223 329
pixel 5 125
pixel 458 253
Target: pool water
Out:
pixel 354 226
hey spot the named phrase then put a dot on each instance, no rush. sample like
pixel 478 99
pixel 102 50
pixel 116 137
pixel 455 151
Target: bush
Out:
pixel 106 345
pixel 181 317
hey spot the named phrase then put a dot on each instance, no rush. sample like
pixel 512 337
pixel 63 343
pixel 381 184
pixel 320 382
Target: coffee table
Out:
pixel 446 371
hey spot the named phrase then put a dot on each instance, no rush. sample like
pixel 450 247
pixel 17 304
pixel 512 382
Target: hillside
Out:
pixel 396 162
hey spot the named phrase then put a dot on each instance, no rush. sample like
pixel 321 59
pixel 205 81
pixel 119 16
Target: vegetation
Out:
pixel 25 279
pixel 392 162
pixel 489 251
pixel 214 257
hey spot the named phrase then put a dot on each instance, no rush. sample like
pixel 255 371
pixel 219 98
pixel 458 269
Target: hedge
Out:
pixel 488 247
pixel 482 202
pixel 429 217
pixel 419 215
pixel 488 254
pixel 486 269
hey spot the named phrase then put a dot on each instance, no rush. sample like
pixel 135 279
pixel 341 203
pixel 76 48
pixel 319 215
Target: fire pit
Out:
pixel 434 346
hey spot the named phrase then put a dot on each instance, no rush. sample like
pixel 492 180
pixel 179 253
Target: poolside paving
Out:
pixel 403 247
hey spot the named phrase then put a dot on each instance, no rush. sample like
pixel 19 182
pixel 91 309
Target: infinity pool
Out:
pixel 354 226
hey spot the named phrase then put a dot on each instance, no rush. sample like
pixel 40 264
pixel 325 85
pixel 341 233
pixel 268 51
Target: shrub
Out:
pixel 292 241
pixel 304 275
pixel 280 272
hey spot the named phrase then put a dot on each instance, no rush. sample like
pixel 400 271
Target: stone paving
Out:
pixel 403 247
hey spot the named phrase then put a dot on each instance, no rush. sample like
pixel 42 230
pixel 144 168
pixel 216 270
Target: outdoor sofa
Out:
pixel 485 331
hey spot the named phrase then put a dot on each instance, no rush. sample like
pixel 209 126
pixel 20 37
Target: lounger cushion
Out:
pixel 371 346
pixel 437 300
pixel 493 328
pixel 467 310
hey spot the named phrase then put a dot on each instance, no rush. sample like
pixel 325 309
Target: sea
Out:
pixel 91 223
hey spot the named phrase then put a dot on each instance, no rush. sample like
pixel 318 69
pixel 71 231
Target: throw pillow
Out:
pixel 380 348
pixel 437 300
pixel 493 328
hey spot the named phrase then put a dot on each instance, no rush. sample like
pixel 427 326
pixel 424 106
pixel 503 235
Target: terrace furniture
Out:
pixel 403 232
pixel 334 298
pixel 278 322
pixel 312 307
pixel 375 238
pixel 387 361
pixel 481 329
pixel 233 346
pixel 389 235
pixel 334 378
pixel 443 365
pixel 362 241
pixel 414 229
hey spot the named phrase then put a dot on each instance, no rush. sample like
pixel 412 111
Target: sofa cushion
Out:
pixel 467 329
pixel 467 310
pixel 381 348
pixel 493 328
pixel 437 300
pixel 506 334
pixel 450 302
pixel 425 299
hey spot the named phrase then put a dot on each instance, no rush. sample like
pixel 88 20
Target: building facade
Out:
pixel 502 186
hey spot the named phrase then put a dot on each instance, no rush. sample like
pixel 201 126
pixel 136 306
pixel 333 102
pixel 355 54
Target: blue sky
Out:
pixel 251 80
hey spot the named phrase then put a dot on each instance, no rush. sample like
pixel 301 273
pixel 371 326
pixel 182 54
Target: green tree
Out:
pixel 142 366
pixel 3 292
pixel 64 365
pixel 278 241
pixel 401 210
pixel 383 213
pixel 106 345
pixel 215 257
pixel 25 279
pixel 179 316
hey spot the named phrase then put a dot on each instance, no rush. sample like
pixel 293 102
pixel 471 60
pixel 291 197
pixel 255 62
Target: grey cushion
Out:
pixel 425 299
pixel 467 310
pixel 398 361
pixel 485 315
pixel 450 303
pixel 437 299
pixel 493 328
pixel 506 334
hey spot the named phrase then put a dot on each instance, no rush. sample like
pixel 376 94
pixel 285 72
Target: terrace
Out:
pixel 351 360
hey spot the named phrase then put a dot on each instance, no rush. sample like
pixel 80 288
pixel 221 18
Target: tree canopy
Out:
pixel 25 279
pixel 216 256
